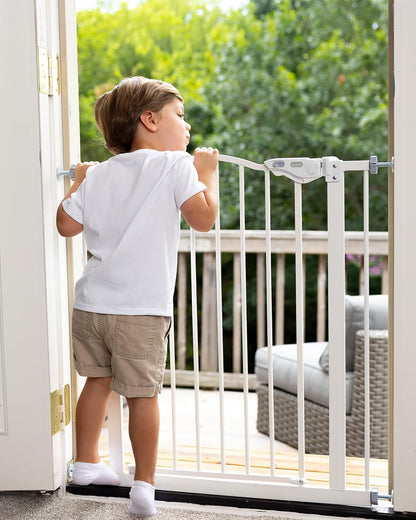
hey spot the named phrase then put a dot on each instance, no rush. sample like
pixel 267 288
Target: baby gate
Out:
pixel 246 483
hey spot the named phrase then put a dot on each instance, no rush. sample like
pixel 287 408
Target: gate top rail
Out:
pixel 306 169
pixel 242 162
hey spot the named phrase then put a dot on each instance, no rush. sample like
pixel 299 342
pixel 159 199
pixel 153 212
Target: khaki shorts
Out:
pixel 131 349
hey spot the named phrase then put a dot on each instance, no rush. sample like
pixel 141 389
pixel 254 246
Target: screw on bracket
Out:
pixel 298 481
pixel 375 165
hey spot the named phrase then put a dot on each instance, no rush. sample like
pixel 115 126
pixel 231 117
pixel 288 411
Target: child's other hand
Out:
pixel 205 160
pixel 81 170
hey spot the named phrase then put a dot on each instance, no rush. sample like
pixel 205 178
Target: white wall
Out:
pixel 405 256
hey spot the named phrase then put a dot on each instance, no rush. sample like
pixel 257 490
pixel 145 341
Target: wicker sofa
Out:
pixel 317 385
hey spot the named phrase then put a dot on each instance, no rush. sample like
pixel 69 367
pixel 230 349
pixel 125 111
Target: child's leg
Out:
pixel 90 415
pixel 144 436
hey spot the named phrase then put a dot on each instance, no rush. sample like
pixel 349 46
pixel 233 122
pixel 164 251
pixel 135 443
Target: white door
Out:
pixel 35 427
pixel 404 346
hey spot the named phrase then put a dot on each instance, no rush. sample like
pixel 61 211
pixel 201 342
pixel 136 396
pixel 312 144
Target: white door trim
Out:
pixel 404 256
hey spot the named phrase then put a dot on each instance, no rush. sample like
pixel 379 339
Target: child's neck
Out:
pixel 146 142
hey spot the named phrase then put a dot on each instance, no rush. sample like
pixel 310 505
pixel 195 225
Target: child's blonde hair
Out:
pixel 118 112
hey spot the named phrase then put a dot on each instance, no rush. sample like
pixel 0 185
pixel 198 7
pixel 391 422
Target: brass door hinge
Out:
pixel 60 409
pixel 48 72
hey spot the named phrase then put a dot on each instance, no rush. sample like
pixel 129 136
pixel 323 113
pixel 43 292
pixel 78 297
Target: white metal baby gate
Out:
pixel 247 484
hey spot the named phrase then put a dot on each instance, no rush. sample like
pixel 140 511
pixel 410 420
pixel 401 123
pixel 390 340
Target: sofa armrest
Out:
pixel 378 346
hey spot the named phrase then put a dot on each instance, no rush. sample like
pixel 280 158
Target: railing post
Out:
pixel 182 304
pixel 280 300
pixel 209 353
pixel 261 325
pixel 237 313
pixel 385 276
pixel 321 299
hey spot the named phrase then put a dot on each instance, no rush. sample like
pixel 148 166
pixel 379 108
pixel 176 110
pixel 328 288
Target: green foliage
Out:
pixel 276 78
pixel 167 39
pixel 307 79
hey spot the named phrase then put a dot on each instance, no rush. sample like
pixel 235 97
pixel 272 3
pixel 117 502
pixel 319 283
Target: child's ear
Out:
pixel 149 120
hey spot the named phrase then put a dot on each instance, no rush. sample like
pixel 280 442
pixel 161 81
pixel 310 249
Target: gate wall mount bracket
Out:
pixel 375 165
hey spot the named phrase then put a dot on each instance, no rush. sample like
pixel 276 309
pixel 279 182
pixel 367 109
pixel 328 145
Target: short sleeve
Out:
pixel 183 179
pixel 74 205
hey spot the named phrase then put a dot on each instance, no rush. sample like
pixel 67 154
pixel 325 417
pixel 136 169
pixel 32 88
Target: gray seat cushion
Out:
pixel 285 372
pixel 354 320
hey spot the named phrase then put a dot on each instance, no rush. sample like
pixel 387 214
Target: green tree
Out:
pixel 167 39
pixel 276 78
pixel 307 79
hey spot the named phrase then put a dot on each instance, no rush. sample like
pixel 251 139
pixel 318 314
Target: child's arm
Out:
pixel 67 226
pixel 200 211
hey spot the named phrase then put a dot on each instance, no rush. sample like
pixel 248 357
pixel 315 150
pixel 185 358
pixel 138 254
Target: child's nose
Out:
pixel 187 125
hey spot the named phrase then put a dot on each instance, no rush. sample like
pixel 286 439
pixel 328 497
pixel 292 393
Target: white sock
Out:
pixel 89 473
pixel 142 495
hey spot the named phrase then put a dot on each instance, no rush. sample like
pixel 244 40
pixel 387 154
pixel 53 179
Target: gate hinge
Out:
pixel 48 72
pixel 60 409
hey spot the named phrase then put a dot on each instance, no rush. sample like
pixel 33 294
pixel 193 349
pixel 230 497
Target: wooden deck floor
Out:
pixel 286 459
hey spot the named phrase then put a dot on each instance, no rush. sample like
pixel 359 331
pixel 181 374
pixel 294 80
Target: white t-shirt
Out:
pixel 129 207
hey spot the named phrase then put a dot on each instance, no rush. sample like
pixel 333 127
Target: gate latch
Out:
pixel 299 169
pixel 305 169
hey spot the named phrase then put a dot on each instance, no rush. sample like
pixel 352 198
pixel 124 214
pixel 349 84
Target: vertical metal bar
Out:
pixel 195 348
pixel 220 345
pixel 115 432
pixel 173 395
pixel 244 314
pixel 300 329
pixel 366 227
pixel 336 330
pixel 269 319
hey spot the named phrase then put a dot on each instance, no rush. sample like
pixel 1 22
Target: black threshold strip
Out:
pixel 376 512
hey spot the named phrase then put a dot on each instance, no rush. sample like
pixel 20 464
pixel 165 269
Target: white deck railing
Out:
pixel 283 243
pixel 332 245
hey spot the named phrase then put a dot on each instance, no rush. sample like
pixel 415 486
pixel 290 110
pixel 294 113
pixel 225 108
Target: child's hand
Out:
pixel 81 170
pixel 200 210
pixel 205 160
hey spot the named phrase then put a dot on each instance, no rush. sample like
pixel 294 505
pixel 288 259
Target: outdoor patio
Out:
pixel 286 460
